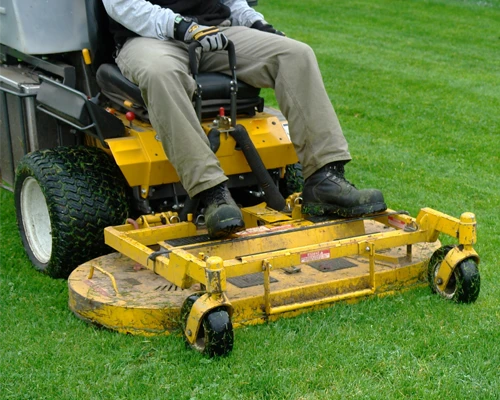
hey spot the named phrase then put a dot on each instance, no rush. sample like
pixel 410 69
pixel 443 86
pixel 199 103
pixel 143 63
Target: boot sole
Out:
pixel 317 209
pixel 226 228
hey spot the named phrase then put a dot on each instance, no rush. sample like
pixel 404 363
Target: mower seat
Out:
pixel 215 89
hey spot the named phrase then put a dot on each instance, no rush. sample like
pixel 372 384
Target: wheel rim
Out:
pixel 451 287
pixel 201 341
pixel 36 220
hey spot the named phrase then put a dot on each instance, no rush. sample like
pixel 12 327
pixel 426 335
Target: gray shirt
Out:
pixel 149 20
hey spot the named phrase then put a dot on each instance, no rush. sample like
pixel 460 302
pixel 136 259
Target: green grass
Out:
pixel 416 85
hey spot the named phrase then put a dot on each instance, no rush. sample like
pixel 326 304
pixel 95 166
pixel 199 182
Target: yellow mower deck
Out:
pixel 280 266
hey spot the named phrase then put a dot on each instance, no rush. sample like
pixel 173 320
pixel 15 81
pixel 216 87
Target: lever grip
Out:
pixel 193 62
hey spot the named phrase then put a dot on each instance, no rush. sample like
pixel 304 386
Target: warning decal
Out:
pixel 397 223
pixel 315 256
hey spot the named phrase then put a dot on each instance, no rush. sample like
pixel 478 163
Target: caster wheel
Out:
pixel 215 336
pixel 464 284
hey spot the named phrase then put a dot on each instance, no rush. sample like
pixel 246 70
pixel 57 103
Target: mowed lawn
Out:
pixel 416 86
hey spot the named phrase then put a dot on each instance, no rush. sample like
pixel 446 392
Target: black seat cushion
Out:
pixel 214 86
pixel 116 87
pixel 218 86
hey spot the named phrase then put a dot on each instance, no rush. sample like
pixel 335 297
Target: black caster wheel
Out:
pixel 215 336
pixel 463 286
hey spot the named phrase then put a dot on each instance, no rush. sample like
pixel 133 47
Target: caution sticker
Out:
pixel 253 231
pixel 315 256
pixel 264 229
pixel 281 227
pixel 395 222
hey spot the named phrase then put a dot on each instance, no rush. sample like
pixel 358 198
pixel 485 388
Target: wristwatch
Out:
pixel 181 25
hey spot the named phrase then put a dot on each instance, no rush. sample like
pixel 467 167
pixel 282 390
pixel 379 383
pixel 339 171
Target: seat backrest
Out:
pixel 101 41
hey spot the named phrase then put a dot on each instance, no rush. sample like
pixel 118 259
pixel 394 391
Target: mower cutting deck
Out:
pixel 167 274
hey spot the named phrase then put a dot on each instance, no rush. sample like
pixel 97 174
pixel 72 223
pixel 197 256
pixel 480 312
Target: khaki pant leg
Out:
pixel 291 69
pixel 160 69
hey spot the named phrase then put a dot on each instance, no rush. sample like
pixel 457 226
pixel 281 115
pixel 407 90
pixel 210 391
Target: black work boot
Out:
pixel 328 192
pixel 222 215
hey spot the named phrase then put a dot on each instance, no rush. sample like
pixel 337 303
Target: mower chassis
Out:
pixel 281 266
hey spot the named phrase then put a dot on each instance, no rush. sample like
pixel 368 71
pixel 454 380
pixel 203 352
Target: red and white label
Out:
pixel 253 231
pixel 264 229
pixel 395 222
pixel 280 227
pixel 315 256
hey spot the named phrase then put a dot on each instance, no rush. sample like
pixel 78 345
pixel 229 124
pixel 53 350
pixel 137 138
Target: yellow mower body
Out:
pixel 167 276
pixel 280 266
pixel 143 162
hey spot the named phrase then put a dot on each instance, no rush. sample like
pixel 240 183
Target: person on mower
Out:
pixel 152 38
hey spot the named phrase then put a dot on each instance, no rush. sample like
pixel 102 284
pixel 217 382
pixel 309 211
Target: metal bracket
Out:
pixel 65 71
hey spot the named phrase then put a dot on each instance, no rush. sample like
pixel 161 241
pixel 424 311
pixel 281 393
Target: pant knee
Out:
pixel 173 81
pixel 303 53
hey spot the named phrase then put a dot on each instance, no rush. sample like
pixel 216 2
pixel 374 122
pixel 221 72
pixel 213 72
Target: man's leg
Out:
pixel 291 68
pixel 160 69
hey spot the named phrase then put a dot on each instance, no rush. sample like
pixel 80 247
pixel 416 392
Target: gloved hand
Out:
pixel 210 37
pixel 265 27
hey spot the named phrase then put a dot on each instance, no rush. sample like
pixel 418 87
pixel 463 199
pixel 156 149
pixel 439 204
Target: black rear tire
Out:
pixel 64 199
pixel 293 181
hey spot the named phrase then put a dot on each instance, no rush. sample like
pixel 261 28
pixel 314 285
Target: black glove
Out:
pixel 210 37
pixel 265 27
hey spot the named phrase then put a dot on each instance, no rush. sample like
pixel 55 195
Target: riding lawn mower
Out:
pixel 103 181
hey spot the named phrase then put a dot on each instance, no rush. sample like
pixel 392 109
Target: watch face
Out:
pixel 180 18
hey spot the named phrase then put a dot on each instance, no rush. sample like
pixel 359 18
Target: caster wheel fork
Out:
pixel 464 283
pixel 215 335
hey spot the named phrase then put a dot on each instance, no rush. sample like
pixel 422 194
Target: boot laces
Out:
pixel 220 196
pixel 216 195
pixel 337 169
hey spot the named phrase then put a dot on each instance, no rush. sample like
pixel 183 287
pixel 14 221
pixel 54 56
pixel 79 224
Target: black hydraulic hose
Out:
pixel 272 195
pixel 214 139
